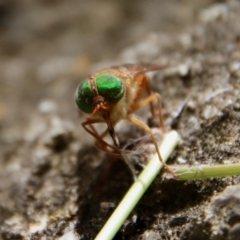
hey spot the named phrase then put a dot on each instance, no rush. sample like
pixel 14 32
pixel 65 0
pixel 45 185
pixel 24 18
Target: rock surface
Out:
pixel 53 181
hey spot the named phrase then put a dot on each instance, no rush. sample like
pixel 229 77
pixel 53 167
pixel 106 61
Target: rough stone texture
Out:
pixel 223 214
pixel 53 181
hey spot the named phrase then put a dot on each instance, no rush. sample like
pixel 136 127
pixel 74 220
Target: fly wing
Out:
pixel 138 69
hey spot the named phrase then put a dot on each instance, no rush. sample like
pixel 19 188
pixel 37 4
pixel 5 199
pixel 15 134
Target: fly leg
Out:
pixel 149 100
pixel 100 143
pixel 142 125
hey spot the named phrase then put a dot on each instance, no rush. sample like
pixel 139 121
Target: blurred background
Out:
pixel 48 47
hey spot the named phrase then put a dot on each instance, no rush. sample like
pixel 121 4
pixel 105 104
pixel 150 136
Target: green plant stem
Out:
pixel 205 171
pixel 138 188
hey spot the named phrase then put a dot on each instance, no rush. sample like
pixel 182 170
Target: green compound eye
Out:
pixel 84 97
pixel 110 87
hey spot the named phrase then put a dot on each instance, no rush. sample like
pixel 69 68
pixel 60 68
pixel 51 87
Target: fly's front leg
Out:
pixel 100 143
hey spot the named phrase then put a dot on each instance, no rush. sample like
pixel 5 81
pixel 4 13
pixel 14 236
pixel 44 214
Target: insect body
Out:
pixel 114 94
